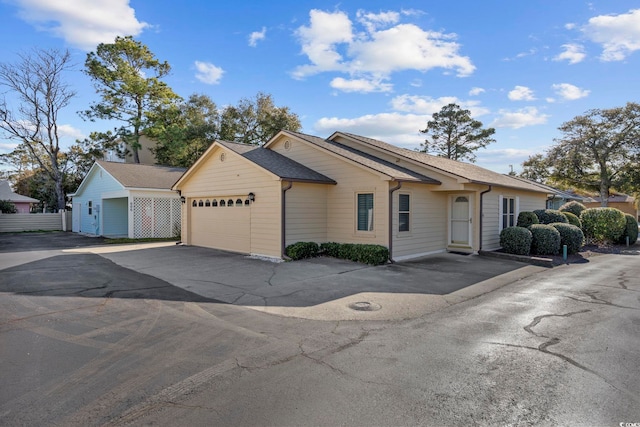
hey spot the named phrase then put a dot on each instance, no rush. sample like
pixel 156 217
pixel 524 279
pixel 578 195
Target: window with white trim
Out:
pixel 364 212
pixel 508 212
pixel 404 210
pixel 90 210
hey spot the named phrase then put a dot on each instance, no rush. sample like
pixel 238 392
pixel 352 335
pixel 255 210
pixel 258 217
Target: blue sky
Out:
pixel 375 68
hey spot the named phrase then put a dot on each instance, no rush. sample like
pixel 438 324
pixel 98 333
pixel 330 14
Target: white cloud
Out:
pixel 619 35
pixel 81 23
pixel 427 105
pixel 360 85
pixel 68 131
pixel 208 73
pixel 319 41
pixel 394 128
pixel 373 21
pixel 331 45
pixel 528 116
pixel 256 36
pixel 521 93
pixel 570 92
pixel 475 91
pixel 573 53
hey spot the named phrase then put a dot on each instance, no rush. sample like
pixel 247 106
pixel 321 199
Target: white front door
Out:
pixel 460 229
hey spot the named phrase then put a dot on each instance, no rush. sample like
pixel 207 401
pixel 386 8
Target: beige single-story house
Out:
pixel 347 189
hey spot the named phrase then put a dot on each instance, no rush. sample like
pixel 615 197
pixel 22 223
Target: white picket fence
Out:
pixel 35 222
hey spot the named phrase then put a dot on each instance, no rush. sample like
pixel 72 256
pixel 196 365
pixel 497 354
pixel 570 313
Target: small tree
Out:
pixel 455 135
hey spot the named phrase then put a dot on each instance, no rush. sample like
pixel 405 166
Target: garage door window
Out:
pixel 223 203
pixel 239 202
pixel 194 204
pixel 214 203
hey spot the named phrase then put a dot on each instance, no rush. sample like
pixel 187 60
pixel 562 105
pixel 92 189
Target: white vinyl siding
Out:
pixel 306 213
pixel 428 222
pixel 492 210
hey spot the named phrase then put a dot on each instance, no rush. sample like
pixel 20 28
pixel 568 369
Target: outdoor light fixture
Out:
pixel 183 199
pixel 252 197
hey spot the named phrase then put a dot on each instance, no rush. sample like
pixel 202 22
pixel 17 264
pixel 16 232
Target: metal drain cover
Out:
pixel 365 306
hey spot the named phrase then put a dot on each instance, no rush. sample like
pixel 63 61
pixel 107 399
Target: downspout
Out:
pixel 391 191
pixel 283 220
pixel 481 215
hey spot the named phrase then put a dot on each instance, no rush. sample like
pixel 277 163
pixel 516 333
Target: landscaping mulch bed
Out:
pixel 588 251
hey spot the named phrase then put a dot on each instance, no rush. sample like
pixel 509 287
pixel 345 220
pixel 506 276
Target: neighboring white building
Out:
pixel 127 200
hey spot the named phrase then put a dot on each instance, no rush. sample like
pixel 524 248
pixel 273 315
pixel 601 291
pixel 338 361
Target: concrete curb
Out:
pixel 395 306
pixel 539 261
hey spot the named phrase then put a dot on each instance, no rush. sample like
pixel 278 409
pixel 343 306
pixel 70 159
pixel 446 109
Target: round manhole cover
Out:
pixel 364 306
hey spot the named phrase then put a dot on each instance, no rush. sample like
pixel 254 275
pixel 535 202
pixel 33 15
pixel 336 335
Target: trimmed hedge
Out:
pixel 549 216
pixel 302 250
pixel 574 207
pixel 367 254
pixel 570 235
pixel 603 225
pixel 546 240
pixel 526 218
pixel 573 219
pixel 516 240
pixel 631 230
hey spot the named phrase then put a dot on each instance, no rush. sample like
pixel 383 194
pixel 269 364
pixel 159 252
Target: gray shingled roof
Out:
pixel 394 171
pixel 276 163
pixel 467 171
pixel 135 175
pixel 7 194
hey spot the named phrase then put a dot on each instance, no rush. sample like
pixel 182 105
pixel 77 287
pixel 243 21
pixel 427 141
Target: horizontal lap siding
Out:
pixel 341 198
pixel 527 201
pixel 96 183
pixel 237 177
pixel 428 222
pixel 306 213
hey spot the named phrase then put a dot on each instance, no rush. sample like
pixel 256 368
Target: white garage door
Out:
pixel 220 224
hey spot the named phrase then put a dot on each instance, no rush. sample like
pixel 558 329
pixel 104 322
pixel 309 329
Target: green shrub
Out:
pixel 331 249
pixel 367 254
pixel 574 207
pixel 573 219
pixel 631 230
pixel 570 235
pixel 526 218
pixel 7 207
pixel 546 240
pixel 302 250
pixel 549 216
pixel 516 240
pixel 603 225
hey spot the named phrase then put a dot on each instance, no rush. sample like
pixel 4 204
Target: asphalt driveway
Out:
pixel 320 288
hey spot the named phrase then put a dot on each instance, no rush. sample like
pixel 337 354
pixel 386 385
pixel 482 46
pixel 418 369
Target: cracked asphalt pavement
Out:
pixel 85 341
